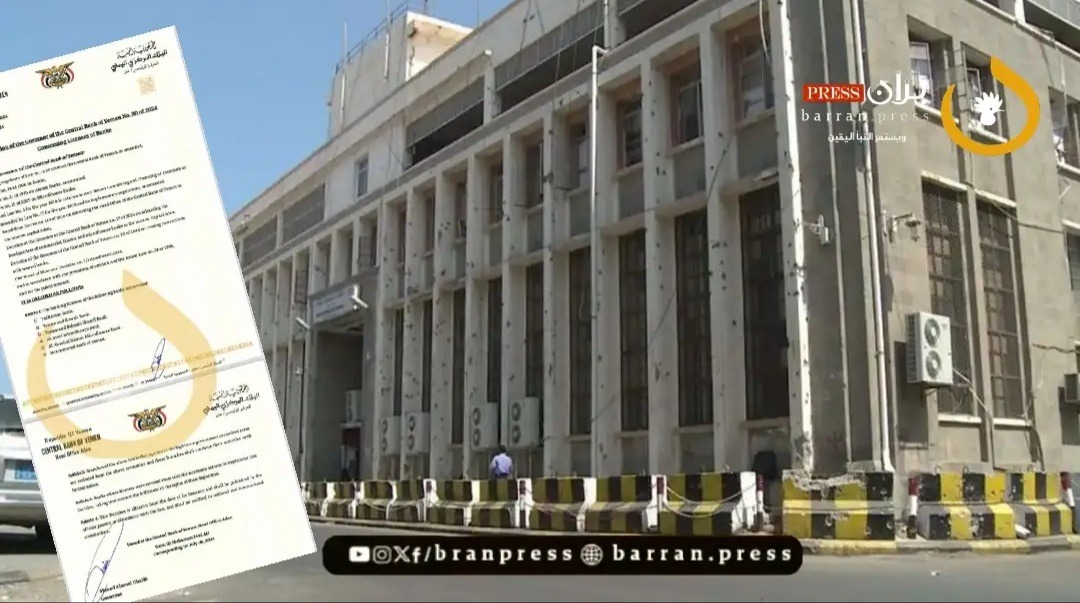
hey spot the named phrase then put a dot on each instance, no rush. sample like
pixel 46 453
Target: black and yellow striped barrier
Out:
pixel 376 495
pixel 451 502
pixel 556 503
pixel 408 504
pixel 1039 504
pixel 708 504
pixel 341 498
pixel 854 506
pixel 498 504
pixel 625 504
pixel 315 497
pixel 987 506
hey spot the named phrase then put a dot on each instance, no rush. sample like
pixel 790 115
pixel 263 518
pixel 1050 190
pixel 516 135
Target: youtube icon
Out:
pixel 833 93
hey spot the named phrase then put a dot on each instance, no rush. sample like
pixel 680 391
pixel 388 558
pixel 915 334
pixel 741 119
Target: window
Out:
pixel 686 88
pixel 579 156
pixel 630 133
pixel 985 114
pixel 534 175
pixel 457 435
pixel 534 330
pixel 362 177
pixel 929 69
pixel 461 209
pixel 425 391
pixel 399 358
pixel 633 332
pixel 580 316
pixel 429 223
pixel 948 289
pixel 403 229
pixel 1072 248
pixel 495 195
pixel 1063 114
pixel 494 349
pixel 694 322
pixel 764 308
pixel 373 245
pixel 996 235
pixel 753 77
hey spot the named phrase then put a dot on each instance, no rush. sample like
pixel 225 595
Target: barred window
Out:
pixel 1072 248
pixel 997 231
pixel 399 357
pixel 580 316
pixel 457 435
pixel 403 229
pixel 686 105
pixel 695 338
pixel 534 330
pixel 948 288
pixel 425 392
pixel 633 332
pixel 495 195
pixel 494 347
pixel 764 306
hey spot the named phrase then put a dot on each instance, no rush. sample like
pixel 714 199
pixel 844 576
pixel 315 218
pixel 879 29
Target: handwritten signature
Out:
pixel 155 365
pixel 102 561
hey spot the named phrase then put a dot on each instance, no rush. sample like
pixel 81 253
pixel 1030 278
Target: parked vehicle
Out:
pixel 20 498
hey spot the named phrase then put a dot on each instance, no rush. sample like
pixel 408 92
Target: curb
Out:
pixel 838 548
pixel 13 576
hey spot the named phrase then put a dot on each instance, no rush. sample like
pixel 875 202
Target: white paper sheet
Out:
pixel 128 333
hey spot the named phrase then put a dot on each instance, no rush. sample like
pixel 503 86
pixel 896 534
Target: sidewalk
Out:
pixel 811 547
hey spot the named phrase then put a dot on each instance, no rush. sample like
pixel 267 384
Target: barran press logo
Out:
pixel 987 106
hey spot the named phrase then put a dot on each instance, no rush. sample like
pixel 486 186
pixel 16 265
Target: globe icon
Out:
pixel 592 555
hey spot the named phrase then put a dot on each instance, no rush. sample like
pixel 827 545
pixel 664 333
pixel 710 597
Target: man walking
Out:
pixel 501 466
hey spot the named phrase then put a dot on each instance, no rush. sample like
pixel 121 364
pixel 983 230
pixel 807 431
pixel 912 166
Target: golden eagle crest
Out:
pixel 149 420
pixel 57 76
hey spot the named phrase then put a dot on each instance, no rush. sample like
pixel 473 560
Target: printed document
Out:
pixel 157 439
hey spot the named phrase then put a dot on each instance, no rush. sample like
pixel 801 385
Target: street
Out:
pixel 924 577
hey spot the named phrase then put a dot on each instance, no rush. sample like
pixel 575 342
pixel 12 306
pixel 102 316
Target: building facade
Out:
pixel 426 288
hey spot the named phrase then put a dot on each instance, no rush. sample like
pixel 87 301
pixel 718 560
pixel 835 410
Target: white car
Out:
pixel 20 498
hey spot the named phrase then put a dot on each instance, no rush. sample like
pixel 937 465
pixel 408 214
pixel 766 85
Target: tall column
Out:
pixel 266 311
pixel 491 97
pixel 661 307
pixel 513 277
pixel 556 302
pixel 475 294
pixel 442 330
pixel 384 323
pixel 607 411
pixel 725 256
pixel 791 216
pixel 339 269
pixel 296 360
pixel 412 373
pixel 614 32
pixel 307 414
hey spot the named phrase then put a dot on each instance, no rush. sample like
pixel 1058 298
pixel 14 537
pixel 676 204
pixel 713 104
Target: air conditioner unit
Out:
pixel 483 426
pixel 390 436
pixel 352 406
pixel 521 423
pixel 1072 388
pixel 417 432
pixel 929 349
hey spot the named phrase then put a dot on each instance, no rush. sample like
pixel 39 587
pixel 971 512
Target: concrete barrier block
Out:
pixel 624 504
pixel 708 504
pixel 851 506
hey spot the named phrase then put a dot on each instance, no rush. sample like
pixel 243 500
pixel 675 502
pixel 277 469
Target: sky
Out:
pixel 261 69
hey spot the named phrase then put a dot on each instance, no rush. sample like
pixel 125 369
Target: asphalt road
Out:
pixel 925 577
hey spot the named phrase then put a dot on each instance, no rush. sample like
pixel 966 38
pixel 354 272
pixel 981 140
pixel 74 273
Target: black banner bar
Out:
pixel 562 555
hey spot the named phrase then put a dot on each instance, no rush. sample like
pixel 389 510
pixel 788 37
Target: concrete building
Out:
pixel 425 290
